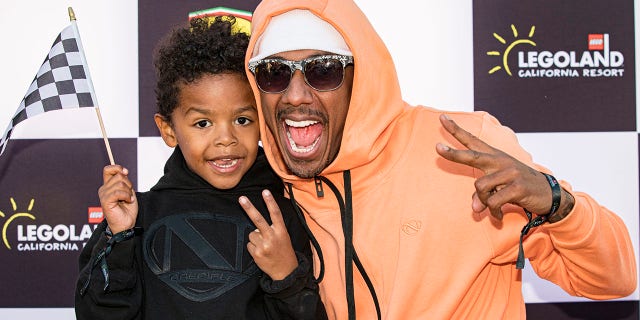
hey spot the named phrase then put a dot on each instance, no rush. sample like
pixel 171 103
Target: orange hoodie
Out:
pixel 426 253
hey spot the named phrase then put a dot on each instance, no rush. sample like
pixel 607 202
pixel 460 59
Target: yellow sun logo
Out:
pixel 13 217
pixel 510 46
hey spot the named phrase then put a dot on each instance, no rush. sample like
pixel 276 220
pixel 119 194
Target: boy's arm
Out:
pixel 290 286
pixel 123 297
pixel 109 285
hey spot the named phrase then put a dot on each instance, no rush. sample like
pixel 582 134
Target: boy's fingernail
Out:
pixel 266 193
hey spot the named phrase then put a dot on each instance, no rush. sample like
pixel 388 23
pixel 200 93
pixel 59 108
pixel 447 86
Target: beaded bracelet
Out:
pixel 556 196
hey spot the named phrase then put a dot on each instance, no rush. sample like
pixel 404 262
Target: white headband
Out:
pixel 297 30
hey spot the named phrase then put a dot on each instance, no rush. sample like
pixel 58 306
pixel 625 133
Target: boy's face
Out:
pixel 307 124
pixel 216 126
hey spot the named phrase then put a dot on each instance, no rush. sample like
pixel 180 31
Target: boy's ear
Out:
pixel 166 131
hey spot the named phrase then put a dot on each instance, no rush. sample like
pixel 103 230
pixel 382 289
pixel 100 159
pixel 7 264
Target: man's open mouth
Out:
pixel 303 136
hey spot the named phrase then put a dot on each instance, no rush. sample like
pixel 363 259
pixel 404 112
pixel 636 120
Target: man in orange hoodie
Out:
pixel 385 186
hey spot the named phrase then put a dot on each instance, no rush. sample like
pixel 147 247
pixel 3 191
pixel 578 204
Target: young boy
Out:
pixel 183 250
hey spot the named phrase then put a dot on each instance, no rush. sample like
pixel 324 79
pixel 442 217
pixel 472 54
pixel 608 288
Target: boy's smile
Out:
pixel 216 126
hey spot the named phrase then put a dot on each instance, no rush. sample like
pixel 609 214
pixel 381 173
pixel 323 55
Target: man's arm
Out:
pixel 584 248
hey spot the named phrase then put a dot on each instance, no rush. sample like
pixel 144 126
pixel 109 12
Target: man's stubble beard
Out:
pixel 305 174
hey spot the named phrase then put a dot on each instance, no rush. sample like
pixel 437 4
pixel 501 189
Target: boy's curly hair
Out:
pixel 188 53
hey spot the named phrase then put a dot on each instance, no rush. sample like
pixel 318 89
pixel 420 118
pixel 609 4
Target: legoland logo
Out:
pixel 95 215
pixel 40 237
pixel 14 216
pixel 596 42
pixel 509 47
pixel 597 61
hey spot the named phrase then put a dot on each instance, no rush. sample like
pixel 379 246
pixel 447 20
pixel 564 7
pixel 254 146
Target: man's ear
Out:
pixel 166 131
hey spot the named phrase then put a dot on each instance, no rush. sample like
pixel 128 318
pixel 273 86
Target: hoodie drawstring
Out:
pixel 351 257
pixel 313 239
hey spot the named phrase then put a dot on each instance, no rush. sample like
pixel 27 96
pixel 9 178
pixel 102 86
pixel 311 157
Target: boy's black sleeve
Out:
pixel 123 297
pixel 297 296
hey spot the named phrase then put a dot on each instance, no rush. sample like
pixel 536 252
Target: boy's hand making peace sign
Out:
pixel 270 245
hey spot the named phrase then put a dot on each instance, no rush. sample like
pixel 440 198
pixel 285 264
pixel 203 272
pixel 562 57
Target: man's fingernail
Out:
pixel 444 147
pixel 266 193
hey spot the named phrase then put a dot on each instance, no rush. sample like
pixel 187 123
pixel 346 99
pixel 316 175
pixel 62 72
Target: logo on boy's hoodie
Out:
pixel 200 256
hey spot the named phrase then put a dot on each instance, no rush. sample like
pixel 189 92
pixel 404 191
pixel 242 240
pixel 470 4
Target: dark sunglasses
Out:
pixel 323 73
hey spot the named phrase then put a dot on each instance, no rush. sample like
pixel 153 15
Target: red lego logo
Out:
pixel 596 42
pixel 95 215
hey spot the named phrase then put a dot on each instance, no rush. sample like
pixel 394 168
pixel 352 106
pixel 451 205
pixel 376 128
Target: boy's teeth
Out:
pixel 226 163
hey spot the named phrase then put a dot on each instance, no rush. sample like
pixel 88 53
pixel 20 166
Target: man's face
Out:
pixel 306 123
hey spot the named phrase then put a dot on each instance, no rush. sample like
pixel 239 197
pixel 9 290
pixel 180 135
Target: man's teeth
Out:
pixel 226 163
pixel 299 124
pixel 298 149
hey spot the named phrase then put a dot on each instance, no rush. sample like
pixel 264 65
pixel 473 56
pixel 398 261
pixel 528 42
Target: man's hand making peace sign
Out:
pixel 505 180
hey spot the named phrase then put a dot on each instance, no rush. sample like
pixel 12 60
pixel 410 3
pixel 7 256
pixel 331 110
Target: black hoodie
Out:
pixel 191 260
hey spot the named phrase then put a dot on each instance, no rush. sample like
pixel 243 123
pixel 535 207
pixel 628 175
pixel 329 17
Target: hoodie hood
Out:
pixel 375 100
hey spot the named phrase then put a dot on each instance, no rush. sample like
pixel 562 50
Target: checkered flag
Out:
pixel 62 82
